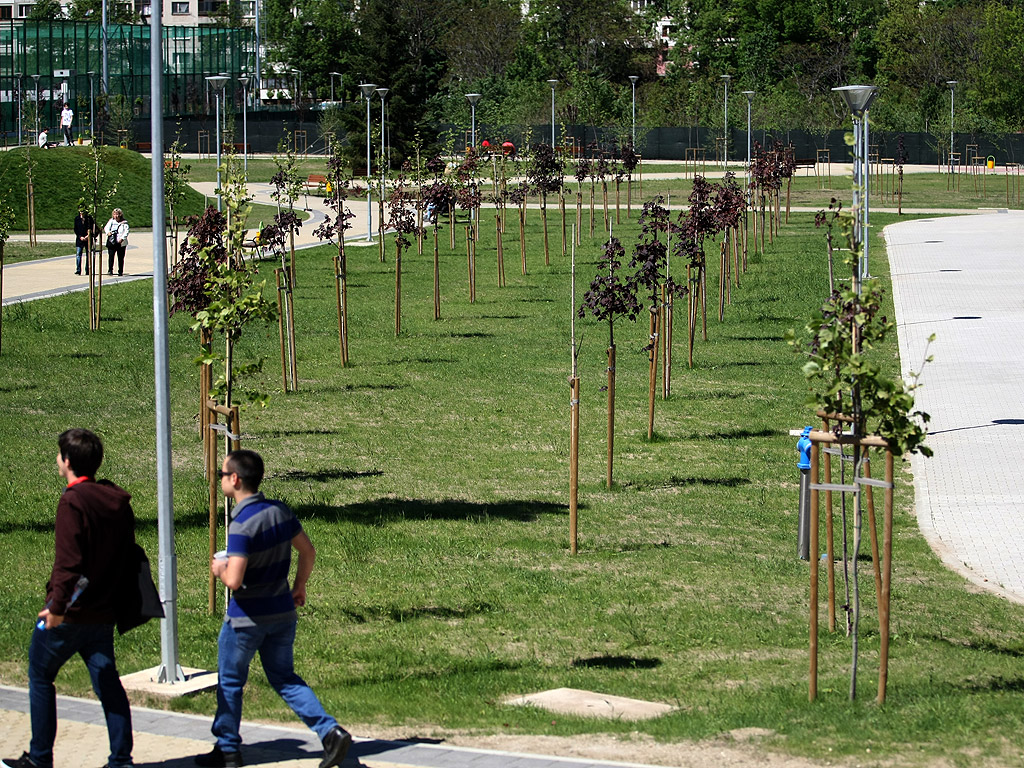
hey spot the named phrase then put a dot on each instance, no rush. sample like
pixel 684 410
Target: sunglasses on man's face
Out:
pixel 221 473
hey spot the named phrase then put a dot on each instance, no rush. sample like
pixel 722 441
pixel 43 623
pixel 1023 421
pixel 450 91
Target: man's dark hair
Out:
pixel 248 465
pixel 82 450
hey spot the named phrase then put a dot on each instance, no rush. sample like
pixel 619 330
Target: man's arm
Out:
pixel 307 557
pixel 231 571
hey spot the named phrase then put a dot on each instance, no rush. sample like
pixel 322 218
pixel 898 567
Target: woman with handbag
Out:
pixel 116 233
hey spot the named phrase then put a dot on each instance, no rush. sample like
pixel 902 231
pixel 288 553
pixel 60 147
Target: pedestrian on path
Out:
pixel 116 233
pixel 95 537
pixel 261 613
pixel 84 226
pixel 67 117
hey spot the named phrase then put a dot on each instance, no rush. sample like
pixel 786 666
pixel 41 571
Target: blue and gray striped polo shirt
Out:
pixel 262 531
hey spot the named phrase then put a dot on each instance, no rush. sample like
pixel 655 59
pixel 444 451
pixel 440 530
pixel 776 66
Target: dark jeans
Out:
pixel 274 643
pixel 117 250
pixel 80 251
pixel 67 135
pixel 49 650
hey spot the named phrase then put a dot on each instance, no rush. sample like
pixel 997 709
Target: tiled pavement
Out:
pixel 962 278
pixel 170 740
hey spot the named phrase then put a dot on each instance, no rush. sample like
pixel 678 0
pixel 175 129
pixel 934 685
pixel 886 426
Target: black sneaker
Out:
pixel 336 744
pixel 22 762
pixel 78 273
pixel 219 759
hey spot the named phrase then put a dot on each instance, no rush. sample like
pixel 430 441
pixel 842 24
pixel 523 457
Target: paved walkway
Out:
pixel 27 280
pixel 170 740
pixel 962 278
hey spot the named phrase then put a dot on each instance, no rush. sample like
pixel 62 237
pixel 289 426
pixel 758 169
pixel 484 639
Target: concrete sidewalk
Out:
pixel 170 740
pixel 962 278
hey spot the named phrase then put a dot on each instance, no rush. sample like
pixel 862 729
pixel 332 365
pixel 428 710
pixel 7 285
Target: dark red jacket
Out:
pixel 95 534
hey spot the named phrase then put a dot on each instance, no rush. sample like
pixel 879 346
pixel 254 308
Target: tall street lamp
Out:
pixel 298 88
pixel 552 83
pixel 217 82
pixel 92 104
pixel 244 80
pixel 725 124
pixel 367 90
pixel 341 80
pixel 21 98
pixel 473 98
pixel 632 80
pixel 382 92
pixel 858 99
pixel 952 87
pixel 36 78
pixel 750 102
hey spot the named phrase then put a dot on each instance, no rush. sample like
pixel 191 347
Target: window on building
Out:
pixel 179 9
pixel 24 11
pixel 6 11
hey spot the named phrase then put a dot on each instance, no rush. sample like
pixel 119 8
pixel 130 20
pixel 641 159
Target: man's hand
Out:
pixel 299 595
pixel 51 620
pixel 217 567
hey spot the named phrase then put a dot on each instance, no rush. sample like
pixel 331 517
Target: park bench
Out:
pixel 143 146
pixel 807 163
pixel 316 183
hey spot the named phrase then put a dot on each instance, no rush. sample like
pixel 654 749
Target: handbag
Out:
pixel 112 240
pixel 141 600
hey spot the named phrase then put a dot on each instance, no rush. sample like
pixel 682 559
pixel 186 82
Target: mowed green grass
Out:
pixel 433 477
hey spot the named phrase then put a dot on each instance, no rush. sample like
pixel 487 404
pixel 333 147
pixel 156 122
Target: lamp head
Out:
pixel 952 83
pixel 334 74
pixel 858 98
pixel 367 89
pixel 633 79
pixel 218 81
pixel 473 98
pixel 749 95
pixel 382 92
pixel 552 83
pixel 244 80
pixel 727 78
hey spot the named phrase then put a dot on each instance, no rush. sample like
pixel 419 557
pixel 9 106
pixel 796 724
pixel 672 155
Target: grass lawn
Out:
pixel 58 180
pixel 432 475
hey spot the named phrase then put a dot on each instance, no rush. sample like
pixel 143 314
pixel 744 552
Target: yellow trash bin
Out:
pixel 991 162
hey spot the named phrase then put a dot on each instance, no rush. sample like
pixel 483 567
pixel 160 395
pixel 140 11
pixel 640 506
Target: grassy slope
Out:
pixel 432 475
pixel 58 186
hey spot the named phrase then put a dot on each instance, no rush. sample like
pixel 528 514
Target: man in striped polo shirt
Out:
pixel 261 614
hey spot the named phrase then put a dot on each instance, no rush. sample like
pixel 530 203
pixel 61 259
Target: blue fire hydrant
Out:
pixel 803 539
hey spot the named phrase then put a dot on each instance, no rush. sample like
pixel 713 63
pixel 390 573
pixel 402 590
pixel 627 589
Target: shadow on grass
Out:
pixel 424 360
pixel 392 510
pixel 735 434
pixel 470 335
pixel 985 646
pixel 357 387
pixel 326 474
pixel 399 615
pixel 681 482
pixel 616 662
pixel 292 432
pixel 19 388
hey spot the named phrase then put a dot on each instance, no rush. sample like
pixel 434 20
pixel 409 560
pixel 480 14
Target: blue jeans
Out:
pixel 81 250
pixel 274 642
pixel 47 653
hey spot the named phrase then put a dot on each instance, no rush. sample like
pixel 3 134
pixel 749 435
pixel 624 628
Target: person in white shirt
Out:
pixel 66 119
pixel 116 236
pixel 43 140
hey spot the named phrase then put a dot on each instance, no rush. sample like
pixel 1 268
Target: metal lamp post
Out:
pixel 382 92
pixel 632 80
pixel 21 98
pixel 952 87
pixel 92 105
pixel 218 82
pixel 552 83
pixel 367 90
pixel 473 98
pixel 858 99
pixel 298 88
pixel 341 79
pixel 750 102
pixel 725 124
pixel 244 80
pixel 36 78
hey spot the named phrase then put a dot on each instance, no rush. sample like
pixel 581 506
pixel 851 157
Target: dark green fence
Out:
pixel 43 48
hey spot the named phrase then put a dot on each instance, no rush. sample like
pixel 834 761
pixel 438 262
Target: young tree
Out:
pixel 545 174
pixel 610 298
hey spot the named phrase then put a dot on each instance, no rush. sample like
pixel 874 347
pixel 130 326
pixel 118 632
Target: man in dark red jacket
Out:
pixel 95 536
